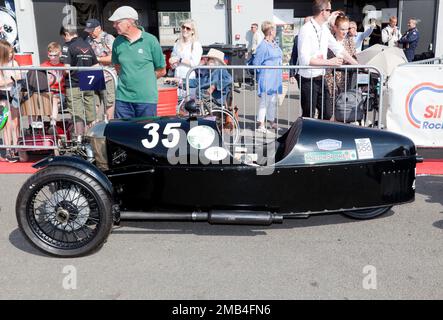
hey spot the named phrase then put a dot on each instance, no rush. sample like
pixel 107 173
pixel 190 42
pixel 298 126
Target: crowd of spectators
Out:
pixel 330 38
pixel 135 58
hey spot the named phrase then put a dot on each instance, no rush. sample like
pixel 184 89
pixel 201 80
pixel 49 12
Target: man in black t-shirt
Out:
pixel 76 52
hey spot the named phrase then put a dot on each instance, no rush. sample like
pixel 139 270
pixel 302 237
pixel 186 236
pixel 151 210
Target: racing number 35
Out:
pixel 171 129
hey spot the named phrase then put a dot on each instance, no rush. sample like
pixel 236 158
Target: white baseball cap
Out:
pixel 125 12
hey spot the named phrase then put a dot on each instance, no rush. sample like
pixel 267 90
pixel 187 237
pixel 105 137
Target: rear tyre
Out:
pixel 64 212
pixel 364 214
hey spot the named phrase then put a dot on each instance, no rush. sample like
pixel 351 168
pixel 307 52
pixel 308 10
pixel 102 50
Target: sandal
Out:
pixel 11 157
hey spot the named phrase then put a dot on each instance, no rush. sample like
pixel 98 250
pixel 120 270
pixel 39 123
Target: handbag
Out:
pixel 349 106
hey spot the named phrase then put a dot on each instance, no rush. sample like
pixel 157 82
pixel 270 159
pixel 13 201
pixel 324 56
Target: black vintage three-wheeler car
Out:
pixel 181 169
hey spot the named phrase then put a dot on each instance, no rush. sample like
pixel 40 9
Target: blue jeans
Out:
pixel 134 110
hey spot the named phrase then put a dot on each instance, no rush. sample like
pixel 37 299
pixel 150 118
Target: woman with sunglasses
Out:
pixel 340 30
pixel 187 51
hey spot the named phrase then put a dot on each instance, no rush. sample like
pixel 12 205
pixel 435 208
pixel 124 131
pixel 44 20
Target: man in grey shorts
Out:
pixel 101 42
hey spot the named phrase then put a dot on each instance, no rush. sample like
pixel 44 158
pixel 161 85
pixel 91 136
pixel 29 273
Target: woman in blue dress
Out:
pixel 269 80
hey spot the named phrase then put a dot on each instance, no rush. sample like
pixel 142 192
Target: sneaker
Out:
pixel 275 127
pixel 11 157
pixel 262 129
pixel 37 124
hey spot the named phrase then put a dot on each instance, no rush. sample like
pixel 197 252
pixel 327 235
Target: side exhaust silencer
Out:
pixel 260 218
pixel 243 218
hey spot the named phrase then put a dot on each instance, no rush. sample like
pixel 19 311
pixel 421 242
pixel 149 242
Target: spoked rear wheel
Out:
pixel 64 212
pixel 228 125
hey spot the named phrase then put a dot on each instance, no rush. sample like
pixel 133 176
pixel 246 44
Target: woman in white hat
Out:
pixel 217 82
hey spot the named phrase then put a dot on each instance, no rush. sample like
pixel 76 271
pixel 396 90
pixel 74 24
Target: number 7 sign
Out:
pixel 93 80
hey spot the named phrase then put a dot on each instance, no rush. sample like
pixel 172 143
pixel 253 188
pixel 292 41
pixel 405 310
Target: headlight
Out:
pixel 97 130
pixel 96 138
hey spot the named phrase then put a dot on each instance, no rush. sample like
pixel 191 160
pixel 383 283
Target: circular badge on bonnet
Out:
pixel 201 137
pixel 216 153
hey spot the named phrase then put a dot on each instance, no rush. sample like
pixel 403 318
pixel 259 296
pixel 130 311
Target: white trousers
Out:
pixel 267 108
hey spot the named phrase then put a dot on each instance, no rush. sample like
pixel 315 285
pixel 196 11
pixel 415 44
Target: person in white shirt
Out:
pixel 314 40
pixel 390 34
pixel 359 37
pixel 255 37
pixel 187 51
pixel 7 77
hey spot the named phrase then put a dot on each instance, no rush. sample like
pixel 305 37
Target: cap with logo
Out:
pixel 125 12
pixel 91 24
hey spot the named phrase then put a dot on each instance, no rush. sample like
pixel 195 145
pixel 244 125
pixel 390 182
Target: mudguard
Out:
pixel 80 164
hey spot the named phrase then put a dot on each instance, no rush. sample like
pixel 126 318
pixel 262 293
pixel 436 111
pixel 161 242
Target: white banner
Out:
pixel 416 104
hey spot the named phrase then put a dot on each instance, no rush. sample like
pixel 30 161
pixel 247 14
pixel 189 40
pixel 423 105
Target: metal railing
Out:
pixel 46 107
pixel 349 94
pixel 427 61
pixel 32 106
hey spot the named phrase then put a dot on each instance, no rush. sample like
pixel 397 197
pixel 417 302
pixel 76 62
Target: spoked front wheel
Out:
pixel 64 212
pixel 228 124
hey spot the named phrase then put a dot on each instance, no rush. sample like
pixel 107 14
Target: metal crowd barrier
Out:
pixel 38 95
pixel 428 61
pixel 363 82
pixel 30 106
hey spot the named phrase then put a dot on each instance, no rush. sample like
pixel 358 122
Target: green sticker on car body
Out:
pixel 330 156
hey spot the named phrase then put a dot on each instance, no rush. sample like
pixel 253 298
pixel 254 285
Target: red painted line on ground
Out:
pixel 17 168
pixel 431 167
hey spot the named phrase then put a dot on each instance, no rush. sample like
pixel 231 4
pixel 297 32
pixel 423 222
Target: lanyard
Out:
pixel 318 37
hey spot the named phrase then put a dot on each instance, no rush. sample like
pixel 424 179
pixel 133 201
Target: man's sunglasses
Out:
pixel 329 10
pixel 186 28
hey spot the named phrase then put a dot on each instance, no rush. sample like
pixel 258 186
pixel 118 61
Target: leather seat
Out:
pixel 292 137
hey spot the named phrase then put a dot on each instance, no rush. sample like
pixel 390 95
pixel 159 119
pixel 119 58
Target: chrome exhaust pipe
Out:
pixel 262 218
pixel 164 216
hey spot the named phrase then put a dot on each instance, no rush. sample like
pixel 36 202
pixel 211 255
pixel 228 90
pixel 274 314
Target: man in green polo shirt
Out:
pixel 139 61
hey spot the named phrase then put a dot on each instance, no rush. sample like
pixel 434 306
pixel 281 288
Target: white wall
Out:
pixel 210 19
pixel 27 35
pixel 250 11
pixel 212 24
pixel 439 40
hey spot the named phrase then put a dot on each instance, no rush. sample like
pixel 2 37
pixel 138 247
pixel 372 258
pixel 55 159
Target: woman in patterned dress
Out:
pixel 336 81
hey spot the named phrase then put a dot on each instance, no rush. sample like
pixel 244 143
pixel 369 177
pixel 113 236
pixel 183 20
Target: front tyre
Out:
pixel 64 212
pixel 228 125
pixel 364 214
